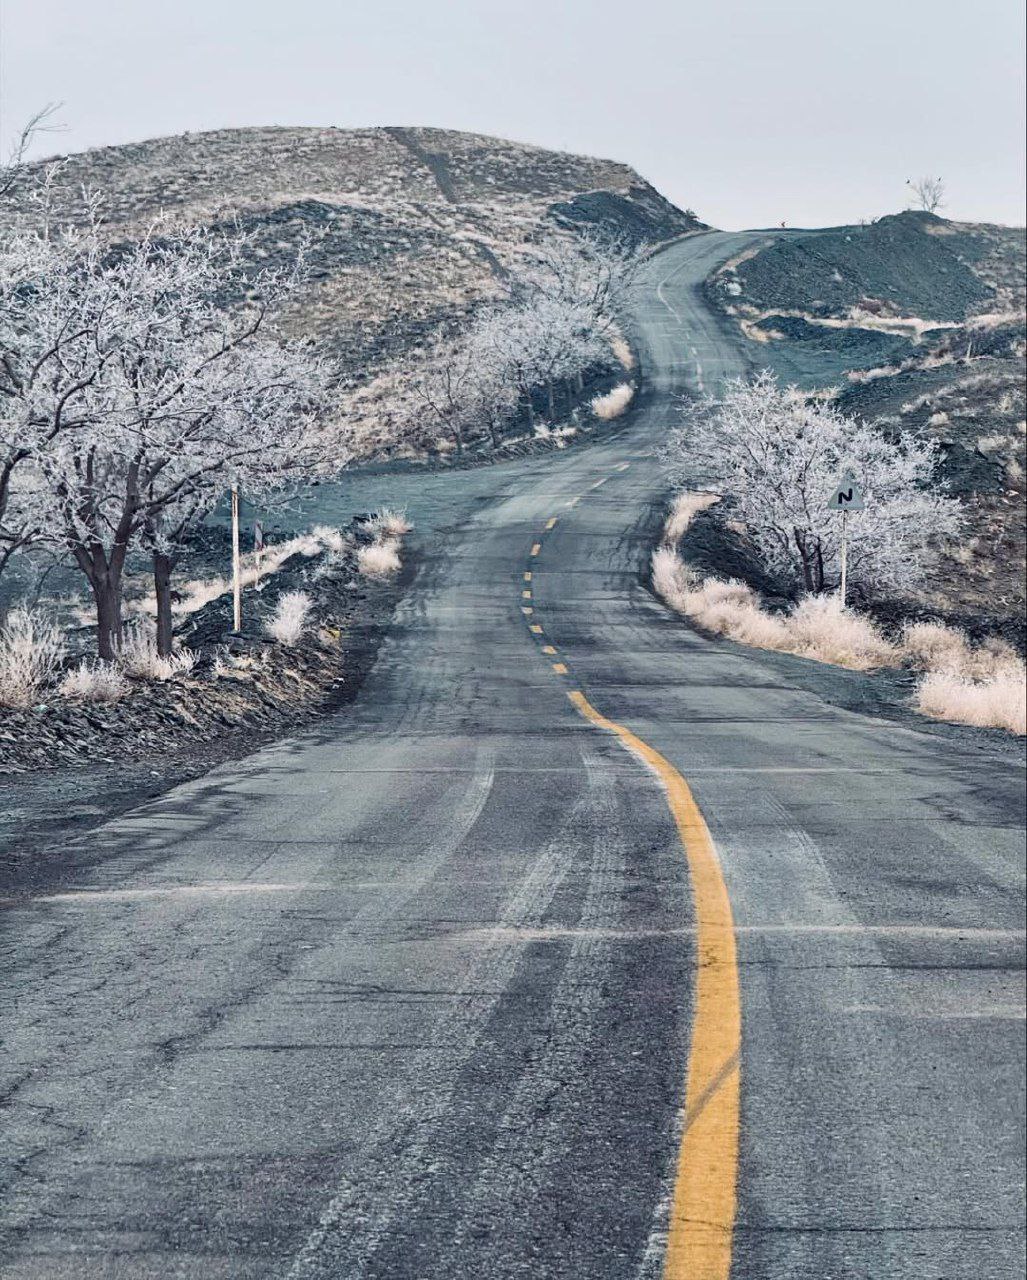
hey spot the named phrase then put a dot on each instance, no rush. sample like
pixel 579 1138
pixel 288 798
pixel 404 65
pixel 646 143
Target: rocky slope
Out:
pixel 408 227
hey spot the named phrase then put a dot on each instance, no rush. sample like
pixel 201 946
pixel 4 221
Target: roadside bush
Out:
pixel 613 404
pixel 31 653
pixel 94 682
pixel 683 510
pixel 289 620
pixel 829 633
pixel 379 560
pixel 138 655
pixel 388 523
pixel 999 702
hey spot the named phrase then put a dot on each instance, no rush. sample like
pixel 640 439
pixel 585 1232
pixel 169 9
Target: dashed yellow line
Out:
pixel 525 595
pixel 705 1190
pixel 527 576
pixel 536 547
pixel 559 668
pixel 548 648
pixel 536 628
pixel 551 522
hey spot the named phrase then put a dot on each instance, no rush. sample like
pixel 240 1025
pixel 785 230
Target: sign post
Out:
pixel 236 570
pixel 848 496
pixel 258 547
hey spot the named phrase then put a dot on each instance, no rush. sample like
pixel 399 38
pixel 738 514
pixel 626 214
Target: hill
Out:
pixel 409 227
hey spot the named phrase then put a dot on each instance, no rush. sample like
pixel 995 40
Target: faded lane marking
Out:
pixel 527 610
pixel 574 502
pixel 551 522
pixel 548 648
pixel 536 547
pixel 559 668
pixel 702 1213
pixel 525 595
pixel 622 466
pixel 173 891
pixel 536 628
pixel 527 575
pixel 599 482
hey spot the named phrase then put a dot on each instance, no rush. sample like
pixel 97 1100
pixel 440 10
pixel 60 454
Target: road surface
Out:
pixel 420 994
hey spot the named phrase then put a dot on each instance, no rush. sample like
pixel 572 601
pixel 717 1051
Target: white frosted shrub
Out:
pixel 999 702
pixel 289 620
pixel 378 560
pixel 138 655
pixel 823 630
pixel 31 653
pixel 613 404
pixel 683 510
pixel 388 523
pixel 94 682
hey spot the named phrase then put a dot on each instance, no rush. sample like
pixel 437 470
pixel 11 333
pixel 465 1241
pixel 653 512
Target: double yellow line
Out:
pixel 704 1204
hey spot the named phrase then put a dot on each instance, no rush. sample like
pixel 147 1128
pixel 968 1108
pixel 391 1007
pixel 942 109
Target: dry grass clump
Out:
pixel 613 404
pixel 387 523
pixel 31 653
pixel 818 627
pixel 379 559
pixel 822 629
pixel 999 702
pixel 289 620
pixel 622 352
pixel 984 686
pixel 94 682
pixel 138 655
pixel 683 510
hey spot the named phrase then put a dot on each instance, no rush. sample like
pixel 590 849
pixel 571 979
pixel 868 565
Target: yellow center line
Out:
pixel 559 668
pixel 536 547
pixel 551 522
pixel 702 1213
pixel 527 576
pixel 548 648
pixel 536 628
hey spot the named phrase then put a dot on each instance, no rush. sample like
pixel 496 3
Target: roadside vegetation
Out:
pixel 141 377
pixel 773 458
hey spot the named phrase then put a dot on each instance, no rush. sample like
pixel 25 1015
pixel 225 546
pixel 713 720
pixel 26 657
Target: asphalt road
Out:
pixel 413 996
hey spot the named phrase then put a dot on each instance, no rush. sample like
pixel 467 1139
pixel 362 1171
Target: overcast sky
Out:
pixel 749 111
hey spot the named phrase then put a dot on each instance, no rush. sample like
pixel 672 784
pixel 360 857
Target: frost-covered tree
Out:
pixel 778 456
pixel 57 335
pixel 589 269
pixel 460 388
pixel 531 344
pixel 172 396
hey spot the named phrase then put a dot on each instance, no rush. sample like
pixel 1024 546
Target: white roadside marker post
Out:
pixel 848 496
pixel 236 568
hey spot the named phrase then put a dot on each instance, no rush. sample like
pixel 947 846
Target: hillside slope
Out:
pixel 408 227
pixel 914 323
